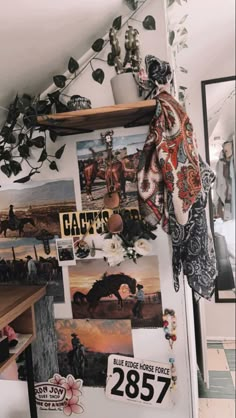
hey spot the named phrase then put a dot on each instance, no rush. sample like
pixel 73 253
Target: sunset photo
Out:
pixel 103 292
pixel 84 347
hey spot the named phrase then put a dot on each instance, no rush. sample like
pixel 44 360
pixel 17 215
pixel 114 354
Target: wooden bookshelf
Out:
pixel 17 309
pixel 80 121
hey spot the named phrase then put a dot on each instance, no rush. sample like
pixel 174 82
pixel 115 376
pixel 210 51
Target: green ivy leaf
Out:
pixel 73 65
pixel 6 169
pixel 6 155
pixel 53 166
pixel 60 81
pixel 110 59
pixel 149 23
pixel 98 75
pixel 21 138
pixel 171 37
pixel 132 4
pixel 117 23
pixel 24 151
pixel 24 102
pixel 183 19
pixel 15 167
pixel 43 156
pixel 23 179
pixel 59 152
pixel 38 142
pixel 53 136
pixel 98 45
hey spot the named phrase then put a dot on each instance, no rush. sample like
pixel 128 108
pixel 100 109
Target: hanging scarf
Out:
pixel 172 194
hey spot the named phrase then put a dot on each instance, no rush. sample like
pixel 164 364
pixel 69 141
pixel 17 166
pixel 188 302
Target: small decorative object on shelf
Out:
pixel 4 347
pixel 169 326
pixel 77 102
pixel 11 336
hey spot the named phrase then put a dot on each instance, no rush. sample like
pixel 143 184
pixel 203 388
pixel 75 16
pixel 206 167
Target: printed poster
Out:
pixel 84 346
pixel 32 209
pixel 102 292
pixel 92 157
pixel 23 262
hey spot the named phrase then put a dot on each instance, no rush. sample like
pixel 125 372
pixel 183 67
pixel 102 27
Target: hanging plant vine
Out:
pixel 17 135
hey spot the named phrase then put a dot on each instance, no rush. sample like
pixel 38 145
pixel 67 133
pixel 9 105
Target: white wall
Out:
pixel 148 344
pixel 211 54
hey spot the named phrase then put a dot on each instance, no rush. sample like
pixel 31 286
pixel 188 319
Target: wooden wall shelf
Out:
pixel 81 121
pixel 17 309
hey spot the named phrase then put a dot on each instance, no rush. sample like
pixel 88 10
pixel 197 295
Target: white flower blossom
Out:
pixel 114 251
pixel 142 246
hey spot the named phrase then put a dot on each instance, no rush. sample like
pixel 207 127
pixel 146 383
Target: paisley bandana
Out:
pixel 172 191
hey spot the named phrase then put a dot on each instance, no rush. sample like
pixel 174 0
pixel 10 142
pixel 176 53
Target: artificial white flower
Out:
pixel 142 246
pixel 114 251
pixel 113 246
pixel 115 260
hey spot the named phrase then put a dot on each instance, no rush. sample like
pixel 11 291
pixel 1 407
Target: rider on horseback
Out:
pixel 13 221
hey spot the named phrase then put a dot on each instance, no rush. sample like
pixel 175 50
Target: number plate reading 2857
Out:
pixel 138 381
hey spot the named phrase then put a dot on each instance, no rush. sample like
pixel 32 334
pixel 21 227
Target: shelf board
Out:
pixel 81 121
pixel 14 300
pixel 24 340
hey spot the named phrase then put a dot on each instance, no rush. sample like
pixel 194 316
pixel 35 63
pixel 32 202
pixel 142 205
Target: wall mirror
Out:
pixel 218 97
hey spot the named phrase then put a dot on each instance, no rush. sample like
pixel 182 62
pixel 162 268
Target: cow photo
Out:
pixel 97 175
pixel 32 209
pixel 23 261
pixel 84 347
pixel 129 291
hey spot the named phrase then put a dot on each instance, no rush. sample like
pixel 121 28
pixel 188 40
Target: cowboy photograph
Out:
pixel 129 291
pixel 32 210
pixel 84 347
pixel 106 164
pixel 23 261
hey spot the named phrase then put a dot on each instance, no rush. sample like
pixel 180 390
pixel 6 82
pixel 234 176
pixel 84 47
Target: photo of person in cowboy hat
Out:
pixel 137 309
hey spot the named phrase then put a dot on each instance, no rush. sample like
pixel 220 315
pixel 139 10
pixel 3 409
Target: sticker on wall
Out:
pixel 102 292
pixel 94 178
pixel 65 252
pixel 32 209
pixel 84 347
pixel 60 394
pixel 23 262
pixel 139 381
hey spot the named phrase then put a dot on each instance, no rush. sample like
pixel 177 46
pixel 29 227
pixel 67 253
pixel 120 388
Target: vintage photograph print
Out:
pixel 23 261
pixel 99 172
pixel 129 291
pixel 32 209
pixel 84 347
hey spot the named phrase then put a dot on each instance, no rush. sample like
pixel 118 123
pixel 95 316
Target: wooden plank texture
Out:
pixel 14 300
pixel 135 114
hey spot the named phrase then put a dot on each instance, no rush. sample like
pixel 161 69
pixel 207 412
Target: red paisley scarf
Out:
pixel 169 163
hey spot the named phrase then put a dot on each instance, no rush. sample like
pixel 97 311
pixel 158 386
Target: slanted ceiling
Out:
pixel 38 37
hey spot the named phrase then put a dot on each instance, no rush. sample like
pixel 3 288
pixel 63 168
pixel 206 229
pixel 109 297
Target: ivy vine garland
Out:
pixel 18 135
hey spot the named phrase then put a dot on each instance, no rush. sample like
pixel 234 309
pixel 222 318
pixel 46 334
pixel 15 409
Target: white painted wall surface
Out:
pixel 148 344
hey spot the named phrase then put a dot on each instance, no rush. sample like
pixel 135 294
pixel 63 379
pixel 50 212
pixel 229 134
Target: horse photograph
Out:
pixel 102 292
pixel 32 209
pixel 97 175
pixel 44 270
pixel 85 345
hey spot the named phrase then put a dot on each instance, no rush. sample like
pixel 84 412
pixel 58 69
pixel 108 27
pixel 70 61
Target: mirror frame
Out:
pixel 204 83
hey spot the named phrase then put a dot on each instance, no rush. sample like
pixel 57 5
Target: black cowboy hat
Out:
pixel 74 335
pixel 139 286
pixel 28 256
